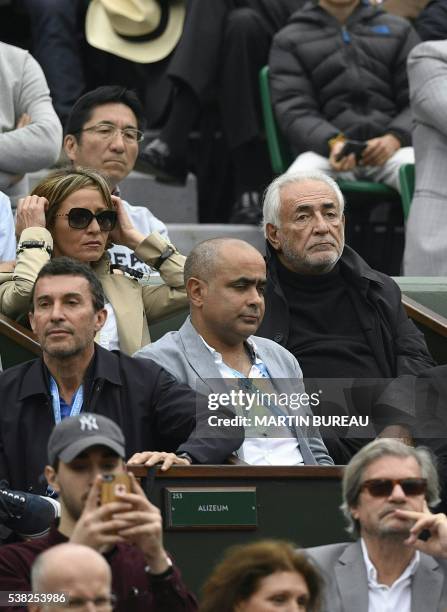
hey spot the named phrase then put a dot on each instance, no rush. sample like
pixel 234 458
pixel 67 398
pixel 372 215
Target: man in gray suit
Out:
pixel 386 488
pixel 425 243
pixel 215 349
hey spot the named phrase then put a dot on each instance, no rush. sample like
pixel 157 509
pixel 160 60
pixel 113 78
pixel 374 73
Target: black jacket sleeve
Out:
pixel 182 421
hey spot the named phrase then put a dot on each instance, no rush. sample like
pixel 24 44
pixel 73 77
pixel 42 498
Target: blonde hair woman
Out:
pixel 72 213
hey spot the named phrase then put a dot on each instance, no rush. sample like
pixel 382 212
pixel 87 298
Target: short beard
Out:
pixel 67 352
pixel 73 510
pixel 303 265
pixel 63 353
pixel 395 534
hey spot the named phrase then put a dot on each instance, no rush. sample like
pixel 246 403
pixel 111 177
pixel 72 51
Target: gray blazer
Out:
pixel 344 571
pixel 184 354
pixel 425 243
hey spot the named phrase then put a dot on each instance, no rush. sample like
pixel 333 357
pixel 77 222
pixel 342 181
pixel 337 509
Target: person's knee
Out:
pixel 242 23
pixel 404 155
pixel 309 162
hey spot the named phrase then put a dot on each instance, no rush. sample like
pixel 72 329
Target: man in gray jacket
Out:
pixel 215 351
pixel 387 487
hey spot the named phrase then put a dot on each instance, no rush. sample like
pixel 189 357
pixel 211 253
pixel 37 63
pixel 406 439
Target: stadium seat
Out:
pixel 407 178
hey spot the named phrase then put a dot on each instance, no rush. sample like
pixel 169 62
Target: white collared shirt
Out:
pixel 146 223
pixel 394 598
pixel 260 451
pixel 108 335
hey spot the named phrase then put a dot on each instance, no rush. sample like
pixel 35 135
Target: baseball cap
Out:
pixel 77 433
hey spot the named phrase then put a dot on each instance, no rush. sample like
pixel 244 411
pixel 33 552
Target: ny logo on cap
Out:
pixel 88 422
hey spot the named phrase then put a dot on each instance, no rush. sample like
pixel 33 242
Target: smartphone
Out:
pixel 113 484
pixel 352 146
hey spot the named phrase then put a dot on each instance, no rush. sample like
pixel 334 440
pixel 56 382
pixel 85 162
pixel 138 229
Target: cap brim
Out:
pixel 101 35
pixel 73 450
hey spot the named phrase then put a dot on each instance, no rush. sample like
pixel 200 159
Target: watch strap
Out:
pixel 169 250
pixel 34 244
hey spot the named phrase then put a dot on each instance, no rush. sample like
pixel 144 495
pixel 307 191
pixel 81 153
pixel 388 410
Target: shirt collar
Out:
pixel 371 571
pixel 249 343
pixel 105 365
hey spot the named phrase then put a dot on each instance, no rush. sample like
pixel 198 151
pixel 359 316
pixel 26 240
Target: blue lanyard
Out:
pixel 76 404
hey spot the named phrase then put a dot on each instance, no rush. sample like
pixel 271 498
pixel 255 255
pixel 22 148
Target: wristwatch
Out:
pixel 169 250
pixel 34 244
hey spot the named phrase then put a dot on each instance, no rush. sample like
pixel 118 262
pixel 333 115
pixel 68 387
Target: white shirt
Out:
pixel 260 451
pixel 108 336
pixel 394 598
pixel 146 223
pixel 7 230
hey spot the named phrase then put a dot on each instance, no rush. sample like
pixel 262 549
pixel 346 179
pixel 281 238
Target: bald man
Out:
pixel 81 573
pixel 225 280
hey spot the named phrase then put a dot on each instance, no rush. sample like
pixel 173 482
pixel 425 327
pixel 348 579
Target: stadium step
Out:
pixel 187 235
pixel 170 203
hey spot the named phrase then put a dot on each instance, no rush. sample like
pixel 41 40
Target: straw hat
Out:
pixel 139 30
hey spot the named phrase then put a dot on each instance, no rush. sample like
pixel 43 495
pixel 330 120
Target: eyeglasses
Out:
pixel 101 603
pixel 80 218
pixel 383 487
pixel 108 131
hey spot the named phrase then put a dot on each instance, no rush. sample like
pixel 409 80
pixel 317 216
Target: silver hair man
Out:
pixel 353 475
pixel 272 195
pixel 304 222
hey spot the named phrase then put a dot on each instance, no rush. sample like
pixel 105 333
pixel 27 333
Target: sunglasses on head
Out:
pixel 80 218
pixel 383 487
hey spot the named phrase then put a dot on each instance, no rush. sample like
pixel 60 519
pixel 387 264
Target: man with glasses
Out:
pixel 103 132
pixel 387 488
pixel 85 453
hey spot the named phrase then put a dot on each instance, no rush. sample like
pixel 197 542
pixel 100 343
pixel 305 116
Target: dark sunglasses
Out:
pixel 80 218
pixel 383 487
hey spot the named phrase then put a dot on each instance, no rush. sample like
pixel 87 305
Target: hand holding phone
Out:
pixel 352 146
pixel 113 484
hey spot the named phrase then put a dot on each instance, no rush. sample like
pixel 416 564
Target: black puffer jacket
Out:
pixel 432 21
pixel 326 78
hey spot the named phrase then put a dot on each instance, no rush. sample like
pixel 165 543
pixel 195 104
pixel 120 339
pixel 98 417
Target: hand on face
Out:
pixel 31 213
pixel 436 524
pixel 124 232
